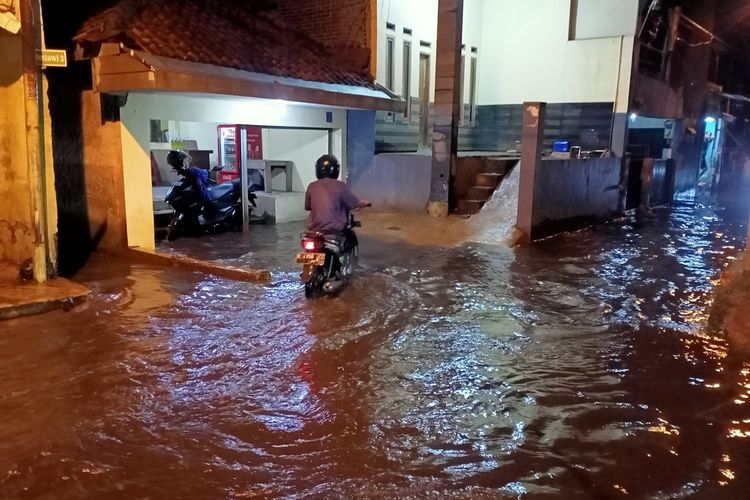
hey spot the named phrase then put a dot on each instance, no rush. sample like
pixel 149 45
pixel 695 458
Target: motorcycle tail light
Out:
pixel 309 245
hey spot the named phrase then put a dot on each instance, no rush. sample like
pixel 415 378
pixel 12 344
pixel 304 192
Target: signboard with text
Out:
pixel 54 58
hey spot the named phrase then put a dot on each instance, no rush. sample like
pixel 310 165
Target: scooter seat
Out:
pixel 221 190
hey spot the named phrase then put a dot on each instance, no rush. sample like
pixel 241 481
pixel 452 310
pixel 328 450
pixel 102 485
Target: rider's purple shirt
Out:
pixel 329 202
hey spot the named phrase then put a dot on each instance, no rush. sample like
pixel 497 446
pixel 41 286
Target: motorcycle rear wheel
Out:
pixel 314 286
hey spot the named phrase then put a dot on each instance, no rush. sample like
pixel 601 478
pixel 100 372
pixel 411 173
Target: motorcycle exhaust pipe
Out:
pixel 332 286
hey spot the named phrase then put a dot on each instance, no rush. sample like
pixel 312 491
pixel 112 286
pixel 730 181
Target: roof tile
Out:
pixel 217 32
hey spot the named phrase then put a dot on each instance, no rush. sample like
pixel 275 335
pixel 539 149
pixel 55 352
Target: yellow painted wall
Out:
pixel 16 224
pixel 22 195
pixel 51 197
pixel 139 205
pixel 102 159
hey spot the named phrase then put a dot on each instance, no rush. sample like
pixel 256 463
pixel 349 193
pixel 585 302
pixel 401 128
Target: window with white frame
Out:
pixel 390 61
pixel 406 90
pixel 473 86
pixel 462 87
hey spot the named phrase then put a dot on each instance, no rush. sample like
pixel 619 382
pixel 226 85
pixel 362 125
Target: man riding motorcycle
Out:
pixel 330 242
pixel 329 200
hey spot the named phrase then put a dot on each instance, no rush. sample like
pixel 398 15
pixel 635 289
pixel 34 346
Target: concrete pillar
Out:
pixel 31 34
pixel 619 134
pixel 647 176
pixel 626 82
pixel 447 104
pixel 531 155
pixel 105 145
pixel 360 143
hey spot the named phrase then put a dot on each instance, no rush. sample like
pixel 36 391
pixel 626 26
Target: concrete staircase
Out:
pixel 482 182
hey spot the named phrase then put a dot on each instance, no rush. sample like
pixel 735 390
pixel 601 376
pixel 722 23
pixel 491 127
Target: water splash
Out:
pixel 494 223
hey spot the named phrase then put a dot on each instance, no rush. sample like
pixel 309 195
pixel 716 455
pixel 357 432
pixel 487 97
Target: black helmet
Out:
pixel 327 166
pixel 178 159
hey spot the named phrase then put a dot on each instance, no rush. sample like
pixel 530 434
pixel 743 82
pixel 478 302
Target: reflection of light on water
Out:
pixel 664 427
pixel 744 383
pixel 700 346
pixel 621 489
pixel 516 489
pixel 739 433
pixel 727 474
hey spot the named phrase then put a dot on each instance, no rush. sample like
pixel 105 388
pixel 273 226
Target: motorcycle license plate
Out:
pixel 315 259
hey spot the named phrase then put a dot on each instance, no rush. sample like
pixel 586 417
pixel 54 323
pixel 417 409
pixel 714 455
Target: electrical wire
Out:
pixel 699 44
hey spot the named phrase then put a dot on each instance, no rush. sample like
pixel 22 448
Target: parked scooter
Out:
pixel 328 259
pixel 193 216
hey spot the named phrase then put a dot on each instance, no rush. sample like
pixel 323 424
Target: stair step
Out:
pixel 489 179
pixel 480 192
pixel 469 206
pixel 496 167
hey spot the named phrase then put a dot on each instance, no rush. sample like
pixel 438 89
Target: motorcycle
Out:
pixel 193 216
pixel 328 259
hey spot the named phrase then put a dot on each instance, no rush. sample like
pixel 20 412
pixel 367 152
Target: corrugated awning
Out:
pixel 118 69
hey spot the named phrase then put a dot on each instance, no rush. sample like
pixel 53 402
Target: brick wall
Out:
pixel 334 23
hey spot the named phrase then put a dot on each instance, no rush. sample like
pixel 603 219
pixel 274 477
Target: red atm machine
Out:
pixel 229 157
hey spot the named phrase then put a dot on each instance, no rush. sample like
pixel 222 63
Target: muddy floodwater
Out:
pixel 584 367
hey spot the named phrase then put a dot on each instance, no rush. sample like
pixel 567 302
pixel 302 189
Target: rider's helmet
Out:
pixel 327 166
pixel 178 159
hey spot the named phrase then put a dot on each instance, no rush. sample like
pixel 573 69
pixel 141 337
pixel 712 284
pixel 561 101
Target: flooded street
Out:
pixel 583 367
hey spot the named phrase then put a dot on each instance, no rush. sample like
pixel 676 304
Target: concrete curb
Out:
pixel 27 299
pixel 181 261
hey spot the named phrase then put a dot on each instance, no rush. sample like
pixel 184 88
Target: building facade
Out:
pixel 606 69
pixel 631 79
pixel 575 55
pixel 141 87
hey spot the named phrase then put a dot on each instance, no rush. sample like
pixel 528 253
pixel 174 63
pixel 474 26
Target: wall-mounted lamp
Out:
pixel 266 110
